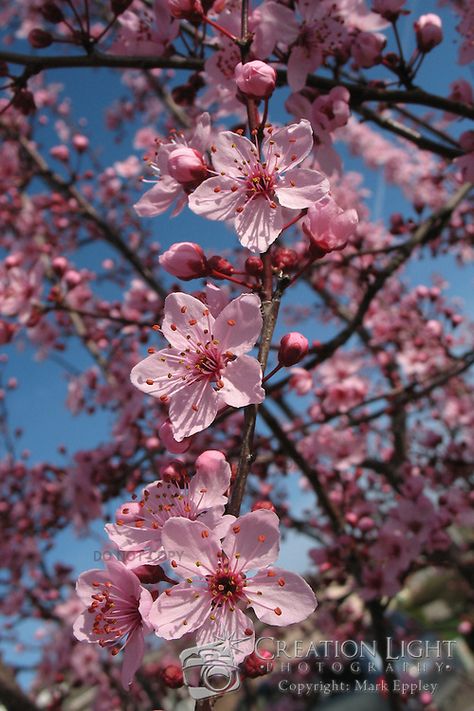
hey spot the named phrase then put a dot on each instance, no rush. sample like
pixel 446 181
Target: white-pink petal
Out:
pixel 231 154
pixel 288 146
pixel 280 597
pixel 301 187
pixel 179 610
pixel 159 198
pixel 255 537
pixel 259 224
pixel 186 320
pixel 191 546
pixel 239 324
pixel 242 380
pixel 234 627
pixel 193 408
pixel 215 199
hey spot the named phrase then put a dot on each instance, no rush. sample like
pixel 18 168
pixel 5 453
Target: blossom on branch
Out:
pixel 116 610
pixel 205 365
pixel 253 191
pixel 139 524
pixel 179 166
pixel 215 588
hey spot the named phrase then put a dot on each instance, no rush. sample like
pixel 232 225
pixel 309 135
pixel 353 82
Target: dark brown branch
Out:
pixel 360 93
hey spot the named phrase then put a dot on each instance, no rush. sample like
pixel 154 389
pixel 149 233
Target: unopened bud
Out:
pixel 187 166
pixel 186 9
pixel 172 676
pixel 39 38
pixel 52 13
pixel 185 260
pixel 293 348
pixel 219 264
pixel 429 32
pixel 255 79
pixel 284 258
pixel 253 266
pixel 263 506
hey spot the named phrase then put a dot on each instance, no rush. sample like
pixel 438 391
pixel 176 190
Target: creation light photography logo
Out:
pixel 210 670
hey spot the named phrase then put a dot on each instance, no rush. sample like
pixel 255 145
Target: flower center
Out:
pixel 225 587
pixel 111 620
pixel 260 182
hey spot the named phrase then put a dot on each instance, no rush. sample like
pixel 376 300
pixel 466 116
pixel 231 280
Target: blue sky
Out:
pixel 38 403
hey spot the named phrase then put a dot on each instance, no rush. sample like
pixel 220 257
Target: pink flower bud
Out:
pixel 219 264
pixel 52 13
pixel 60 265
pixel 185 9
pixel 389 9
pixel 253 266
pixel 293 348
pixel 256 665
pixel 255 79
pixel 172 676
pixel 185 260
pixel 187 166
pixel 284 258
pixel 168 441
pixel 328 227
pixel 263 505
pixel 60 153
pixel 39 38
pixel 80 142
pixel 429 32
pixel 367 48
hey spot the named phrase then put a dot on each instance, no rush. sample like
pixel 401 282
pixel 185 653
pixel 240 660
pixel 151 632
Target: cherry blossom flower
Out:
pixel 139 524
pixel 117 607
pixel 254 191
pixel 179 165
pixel 216 588
pixel 205 365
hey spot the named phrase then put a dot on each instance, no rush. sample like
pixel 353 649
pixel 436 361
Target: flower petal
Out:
pixel 288 146
pixel 202 133
pixel 217 198
pixel 193 408
pixel 242 380
pixel 186 321
pixel 178 611
pixel 191 546
pixel 258 225
pixel 156 369
pixel 239 324
pixel 253 541
pixel 231 154
pixel 301 188
pixel 280 597
pixel 159 198
pixel 233 627
pixel 212 479
pixel 132 656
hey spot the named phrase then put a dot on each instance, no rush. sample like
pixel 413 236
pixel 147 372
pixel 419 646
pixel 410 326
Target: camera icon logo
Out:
pixel 210 670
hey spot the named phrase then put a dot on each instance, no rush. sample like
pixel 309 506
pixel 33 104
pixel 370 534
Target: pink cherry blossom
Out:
pixel 254 191
pixel 145 31
pixel 328 226
pixel 205 365
pixel 179 166
pixel 116 610
pixel 139 524
pixel 216 588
